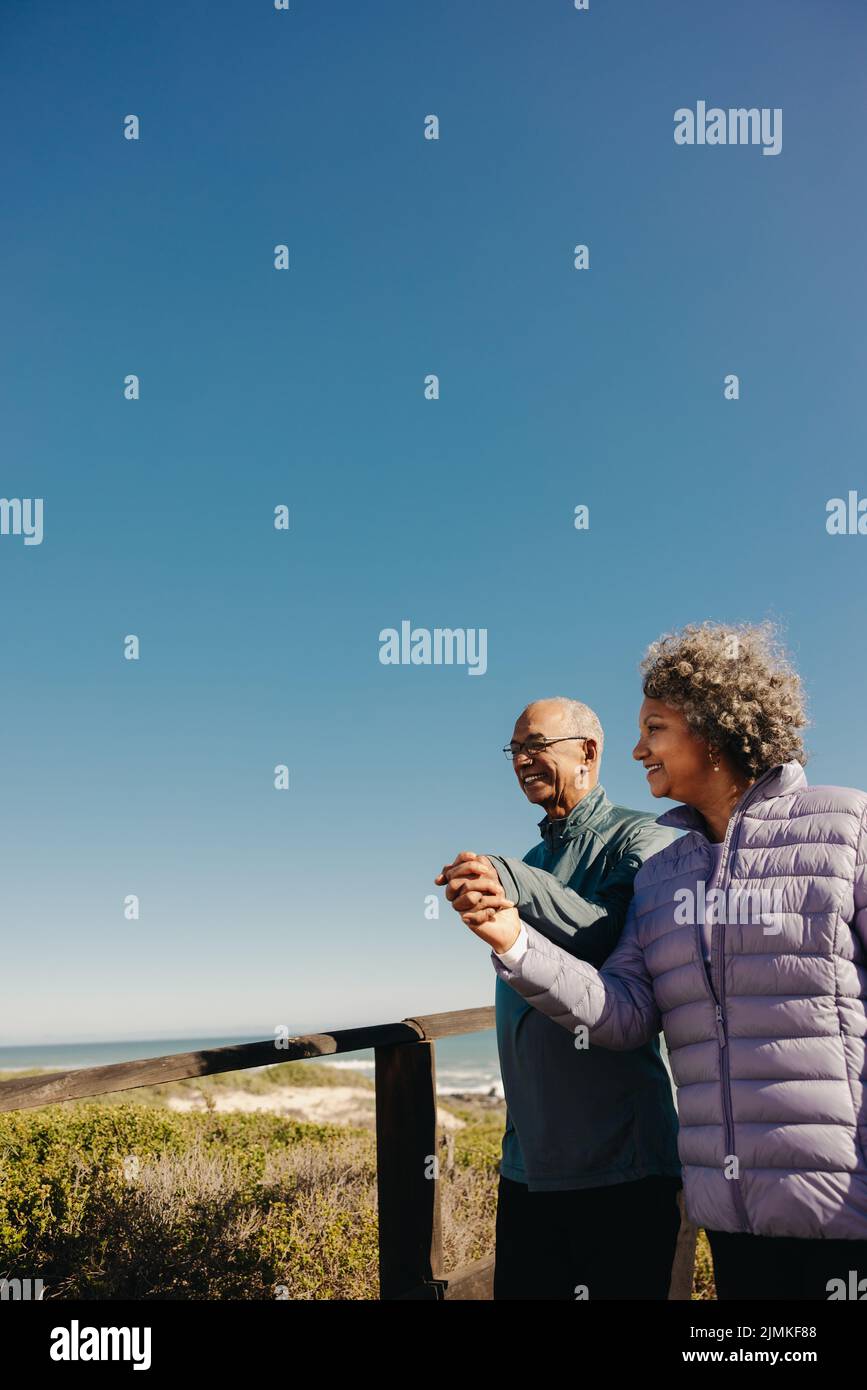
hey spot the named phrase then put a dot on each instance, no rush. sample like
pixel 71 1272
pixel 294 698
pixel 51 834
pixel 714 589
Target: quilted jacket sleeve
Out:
pixel 616 1003
pixel 859 924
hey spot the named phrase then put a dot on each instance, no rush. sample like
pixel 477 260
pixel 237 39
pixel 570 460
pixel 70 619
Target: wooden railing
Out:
pixel 407 1138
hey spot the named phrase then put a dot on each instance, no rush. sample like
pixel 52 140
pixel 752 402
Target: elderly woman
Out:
pixel 746 941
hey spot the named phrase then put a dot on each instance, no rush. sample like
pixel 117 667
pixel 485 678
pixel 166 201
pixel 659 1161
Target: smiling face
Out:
pixel 675 758
pixel 555 778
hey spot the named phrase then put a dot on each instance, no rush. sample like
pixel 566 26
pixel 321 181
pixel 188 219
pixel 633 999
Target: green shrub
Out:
pixel 112 1201
pixel 129 1201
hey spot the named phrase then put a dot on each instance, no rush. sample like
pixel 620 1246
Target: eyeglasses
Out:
pixel 538 745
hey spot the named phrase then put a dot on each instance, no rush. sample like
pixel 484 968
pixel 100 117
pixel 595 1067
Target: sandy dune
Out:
pixel 346 1105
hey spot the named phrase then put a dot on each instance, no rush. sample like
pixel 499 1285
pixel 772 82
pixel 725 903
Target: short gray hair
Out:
pixel 581 719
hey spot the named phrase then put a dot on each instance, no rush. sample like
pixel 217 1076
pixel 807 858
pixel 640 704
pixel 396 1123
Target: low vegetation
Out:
pixel 123 1198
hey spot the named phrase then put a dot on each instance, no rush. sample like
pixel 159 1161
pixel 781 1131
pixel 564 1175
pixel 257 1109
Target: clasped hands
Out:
pixel 475 892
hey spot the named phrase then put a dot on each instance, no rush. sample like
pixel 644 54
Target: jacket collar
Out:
pixel 777 781
pixel 557 832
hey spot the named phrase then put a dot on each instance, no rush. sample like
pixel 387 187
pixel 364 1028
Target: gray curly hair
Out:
pixel 737 689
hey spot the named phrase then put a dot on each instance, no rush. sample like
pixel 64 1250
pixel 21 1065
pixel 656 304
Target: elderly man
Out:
pixel 587 1201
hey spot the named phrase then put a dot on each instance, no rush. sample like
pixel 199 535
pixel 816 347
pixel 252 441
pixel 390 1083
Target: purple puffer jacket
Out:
pixel 767 1048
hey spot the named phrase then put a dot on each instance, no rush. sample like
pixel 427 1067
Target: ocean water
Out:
pixel 467 1063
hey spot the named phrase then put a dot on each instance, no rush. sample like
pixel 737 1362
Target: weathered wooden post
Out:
pixel 407 1176
pixel 683 1266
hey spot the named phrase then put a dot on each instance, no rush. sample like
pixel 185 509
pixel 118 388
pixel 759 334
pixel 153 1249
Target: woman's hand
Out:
pixel 499 927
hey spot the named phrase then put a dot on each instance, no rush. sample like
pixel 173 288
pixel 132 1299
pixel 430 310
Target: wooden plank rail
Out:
pixel 407 1136
pixel 28 1091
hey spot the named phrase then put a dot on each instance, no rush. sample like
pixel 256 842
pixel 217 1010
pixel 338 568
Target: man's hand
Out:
pixel 472 885
pixel 474 890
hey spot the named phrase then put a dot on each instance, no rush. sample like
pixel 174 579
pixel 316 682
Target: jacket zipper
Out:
pixel 717 930
pixel 718 953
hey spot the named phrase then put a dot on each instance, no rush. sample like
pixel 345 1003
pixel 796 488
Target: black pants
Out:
pixel 759 1268
pixel 613 1242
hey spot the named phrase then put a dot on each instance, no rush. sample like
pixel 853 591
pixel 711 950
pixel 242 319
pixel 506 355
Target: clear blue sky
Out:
pixel 305 387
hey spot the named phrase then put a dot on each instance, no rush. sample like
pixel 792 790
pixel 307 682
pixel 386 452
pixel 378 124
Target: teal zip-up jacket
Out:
pixel 592 1117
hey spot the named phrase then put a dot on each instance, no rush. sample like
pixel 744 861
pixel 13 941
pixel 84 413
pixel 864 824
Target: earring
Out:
pixel 712 760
